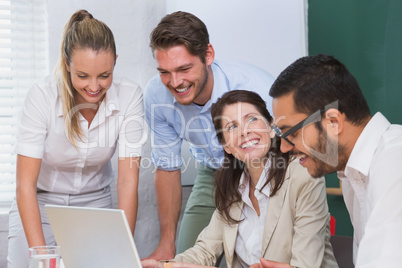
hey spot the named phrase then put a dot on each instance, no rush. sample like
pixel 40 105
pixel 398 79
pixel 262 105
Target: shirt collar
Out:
pixel 244 184
pixel 365 147
pixel 220 86
pixel 111 100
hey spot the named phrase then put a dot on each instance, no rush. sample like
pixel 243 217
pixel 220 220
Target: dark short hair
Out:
pixel 181 28
pixel 319 80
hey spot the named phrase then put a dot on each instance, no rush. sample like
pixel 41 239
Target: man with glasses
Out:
pixel 323 119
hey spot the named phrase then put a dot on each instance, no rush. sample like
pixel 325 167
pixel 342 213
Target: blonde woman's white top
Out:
pixel 66 169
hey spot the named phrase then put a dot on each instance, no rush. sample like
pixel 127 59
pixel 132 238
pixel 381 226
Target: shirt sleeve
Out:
pixel 310 246
pixel 134 130
pixel 165 141
pixel 33 122
pixel 208 246
pixel 382 240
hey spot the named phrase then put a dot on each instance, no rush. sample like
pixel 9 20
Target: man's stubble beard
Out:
pixel 334 153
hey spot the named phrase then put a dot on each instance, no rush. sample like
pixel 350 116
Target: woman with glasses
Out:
pixel 267 205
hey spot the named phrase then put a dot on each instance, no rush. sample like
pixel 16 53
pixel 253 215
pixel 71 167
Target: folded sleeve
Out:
pixel 33 122
pixel 134 131
pixel 160 113
pixel 208 246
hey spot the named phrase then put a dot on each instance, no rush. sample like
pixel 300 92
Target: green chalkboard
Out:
pixel 365 35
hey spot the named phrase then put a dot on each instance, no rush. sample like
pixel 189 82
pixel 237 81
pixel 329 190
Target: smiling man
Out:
pixel 177 104
pixel 323 118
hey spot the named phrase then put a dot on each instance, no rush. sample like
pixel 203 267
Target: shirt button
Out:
pixel 112 107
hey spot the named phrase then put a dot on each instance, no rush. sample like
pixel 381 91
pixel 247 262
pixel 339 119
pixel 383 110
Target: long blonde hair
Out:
pixel 82 31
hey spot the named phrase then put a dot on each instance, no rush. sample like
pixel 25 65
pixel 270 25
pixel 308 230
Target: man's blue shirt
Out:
pixel 171 122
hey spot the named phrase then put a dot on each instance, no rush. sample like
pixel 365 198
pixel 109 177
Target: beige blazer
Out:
pixel 296 228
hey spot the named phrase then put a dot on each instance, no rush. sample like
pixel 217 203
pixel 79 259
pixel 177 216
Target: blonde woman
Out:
pixel 69 128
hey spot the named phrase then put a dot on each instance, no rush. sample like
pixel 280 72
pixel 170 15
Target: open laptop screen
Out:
pixel 93 237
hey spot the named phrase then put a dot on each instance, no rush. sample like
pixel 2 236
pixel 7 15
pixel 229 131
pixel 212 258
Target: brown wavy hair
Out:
pixel 181 28
pixel 227 178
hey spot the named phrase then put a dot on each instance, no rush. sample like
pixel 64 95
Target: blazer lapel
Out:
pixel 230 231
pixel 275 205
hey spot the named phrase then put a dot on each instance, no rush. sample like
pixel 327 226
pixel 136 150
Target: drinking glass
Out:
pixel 44 257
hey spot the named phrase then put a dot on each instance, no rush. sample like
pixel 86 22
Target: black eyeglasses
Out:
pixel 312 118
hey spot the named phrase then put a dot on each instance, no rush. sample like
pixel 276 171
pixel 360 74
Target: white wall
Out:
pixel 268 33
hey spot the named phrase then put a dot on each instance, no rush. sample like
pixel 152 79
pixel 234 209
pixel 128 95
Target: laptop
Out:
pixel 93 237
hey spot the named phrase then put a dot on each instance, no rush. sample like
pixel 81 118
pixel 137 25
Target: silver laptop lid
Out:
pixel 93 237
